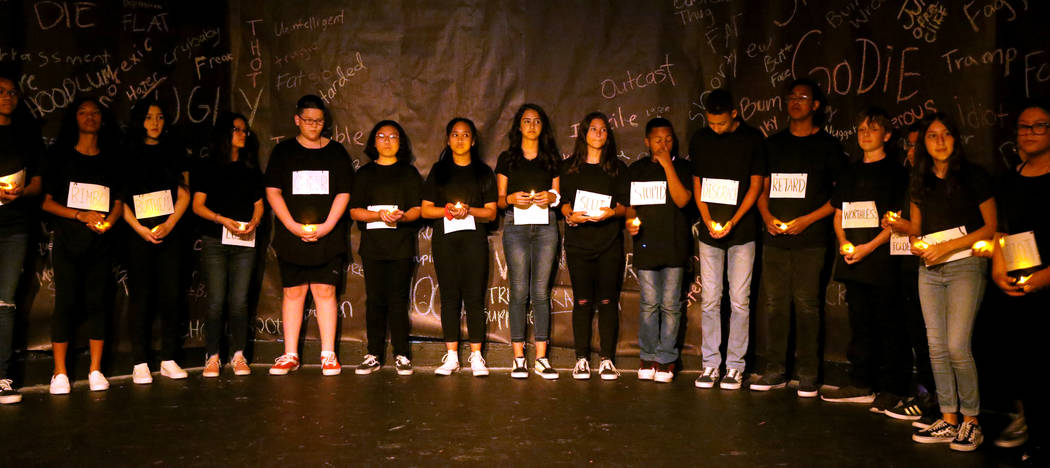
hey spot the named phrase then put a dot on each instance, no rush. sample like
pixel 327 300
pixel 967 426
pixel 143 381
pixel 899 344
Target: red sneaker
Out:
pixel 284 364
pixel 330 365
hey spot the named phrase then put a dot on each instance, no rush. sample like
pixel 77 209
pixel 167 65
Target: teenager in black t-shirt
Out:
pixel 593 204
pixel 385 204
pixel 460 196
pixel 156 197
pixel 308 184
pixel 527 182
pixel 82 191
pixel 228 192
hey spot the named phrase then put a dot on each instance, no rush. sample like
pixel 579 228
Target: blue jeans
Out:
pixel 660 311
pixel 14 249
pixel 712 265
pixel 227 274
pixel 531 250
pixel 950 294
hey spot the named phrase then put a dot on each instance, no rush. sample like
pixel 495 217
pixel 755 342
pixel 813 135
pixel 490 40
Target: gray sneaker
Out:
pixel 707 378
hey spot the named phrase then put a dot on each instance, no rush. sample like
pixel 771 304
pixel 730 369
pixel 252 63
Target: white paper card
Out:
pixel 380 224
pixel 721 191
pixel 229 238
pixel 88 197
pixel 648 193
pixel 1020 251
pixel 151 205
pixel 862 214
pixel 310 183
pixel 12 180
pixel 591 203
pixel 900 244
pixel 454 224
pixel 944 236
pixel 783 185
pixel 532 215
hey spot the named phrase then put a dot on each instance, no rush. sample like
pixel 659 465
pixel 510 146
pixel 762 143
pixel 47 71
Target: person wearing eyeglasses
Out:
pixel 156 198
pixel 20 151
pixel 228 196
pixel 308 183
pixel 385 204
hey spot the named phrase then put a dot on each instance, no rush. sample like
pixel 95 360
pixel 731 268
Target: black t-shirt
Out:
pixel 1023 207
pixel 735 157
pixel 526 175
pixel 19 150
pixel 950 203
pixel 310 179
pixel 397 184
pixel 882 183
pixel 64 167
pixel 232 188
pixel 474 185
pixel 908 263
pixel 150 169
pixel 664 237
pixel 820 157
pixel 591 239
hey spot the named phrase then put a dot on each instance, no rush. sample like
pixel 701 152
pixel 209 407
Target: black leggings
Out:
pixel 81 282
pixel 596 279
pixel 387 286
pixel 153 289
pixel 462 265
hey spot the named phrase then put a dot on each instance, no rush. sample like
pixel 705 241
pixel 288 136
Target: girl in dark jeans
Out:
pixel 228 192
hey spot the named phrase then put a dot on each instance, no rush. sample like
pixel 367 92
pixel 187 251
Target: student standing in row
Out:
pixel 228 194
pixel 156 197
pixel 527 183
pixel 460 196
pixel 308 184
pixel 82 192
pixel 385 204
pixel 593 183
pixel 728 164
pixel 659 228
pixel 803 164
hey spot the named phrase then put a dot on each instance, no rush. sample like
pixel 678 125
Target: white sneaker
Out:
pixel 582 370
pixel 141 375
pixel 647 371
pixel 97 382
pixel 171 370
pixel 59 384
pixel 477 364
pixel 608 371
pixel 449 364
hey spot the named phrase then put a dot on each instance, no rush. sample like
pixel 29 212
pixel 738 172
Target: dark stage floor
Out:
pixel 308 420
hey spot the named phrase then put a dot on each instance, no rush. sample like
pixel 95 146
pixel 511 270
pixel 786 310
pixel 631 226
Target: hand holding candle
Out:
pixel 982 248
pixel 847 249
pixel 634 225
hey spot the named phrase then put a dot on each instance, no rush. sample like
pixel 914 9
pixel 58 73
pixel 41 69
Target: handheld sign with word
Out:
pixel 648 193
pixel 229 238
pixel 88 197
pixel 591 203
pixel 1020 251
pixel 859 215
pixel 721 191
pixel 782 185
pixel 531 215
pixel 455 224
pixel 151 205
pixel 944 236
pixel 8 182
pixel 310 183
pixel 900 244
pixel 381 224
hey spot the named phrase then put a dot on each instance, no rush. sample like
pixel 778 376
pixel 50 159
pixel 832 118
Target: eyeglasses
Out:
pixel 314 122
pixel 241 130
pixel 390 137
pixel 1035 129
pixel 798 97
pixel 12 93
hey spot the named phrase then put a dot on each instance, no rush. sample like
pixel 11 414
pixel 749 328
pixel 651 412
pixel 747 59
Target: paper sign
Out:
pixel 648 193
pixel 783 185
pixel 381 224
pixel 591 203
pixel 1020 251
pixel 17 179
pixel 151 205
pixel 455 224
pixel 900 244
pixel 722 191
pixel 532 215
pixel 88 197
pixel 944 236
pixel 859 215
pixel 310 183
pixel 229 238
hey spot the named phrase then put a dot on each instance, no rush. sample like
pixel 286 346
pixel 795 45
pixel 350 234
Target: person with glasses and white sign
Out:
pixel 156 198
pixel 308 184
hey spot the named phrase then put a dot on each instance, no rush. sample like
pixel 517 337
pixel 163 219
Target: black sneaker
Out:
pixel 519 369
pixel 767 382
pixel 544 369
pixel 582 370
pixel 707 378
pixel 968 438
pixel 368 365
pixel 940 432
pixel 403 365
pixel 883 402
pixel 1015 434
pixel 807 387
pixel 8 394
pixel 910 410
pixel 925 421
pixel 847 394
pixel 732 380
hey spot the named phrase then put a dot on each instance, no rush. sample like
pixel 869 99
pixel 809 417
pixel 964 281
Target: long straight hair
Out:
pixel 548 153
pixel 923 178
pixel 579 152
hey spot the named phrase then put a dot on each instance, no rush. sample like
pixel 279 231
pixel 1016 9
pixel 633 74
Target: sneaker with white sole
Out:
pixel 477 365
pixel 607 370
pixel 664 373
pixel 940 432
pixel 519 368
pixel 8 394
pixel 968 438
pixel 449 364
pixel 97 382
pixel 1015 434
pixel 59 384
pixel 647 370
pixel 767 382
pixel 212 367
pixel 924 422
pixel 330 365
pixel 403 365
pixel 909 410
pixel 733 379
pixel 172 370
pixel 849 394
pixel 368 365
pixel 707 378
pixel 284 364
pixel 141 375
pixel 544 369
pixel 240 365
pixel 582 369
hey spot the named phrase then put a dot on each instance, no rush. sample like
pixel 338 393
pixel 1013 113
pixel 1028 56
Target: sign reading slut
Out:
pixel 591 203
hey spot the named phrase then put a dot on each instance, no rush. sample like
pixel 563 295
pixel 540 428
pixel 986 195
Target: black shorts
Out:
pixel 296 275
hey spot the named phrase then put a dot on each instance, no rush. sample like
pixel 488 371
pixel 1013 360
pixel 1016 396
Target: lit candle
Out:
pixel 982 246
pixel 6 186
pixel 309 227
pixel 1022 280
pixel 458 205
pixel 532 194
pixel 242 226
pixel 848 248
pixel 921 245
pixel 636 222
pixel 782 226
pixel 102 224
pixel 154 228
pixel 716 226
pixel 892 215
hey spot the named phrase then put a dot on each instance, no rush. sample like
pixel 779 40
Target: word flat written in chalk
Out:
pixel 88 197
